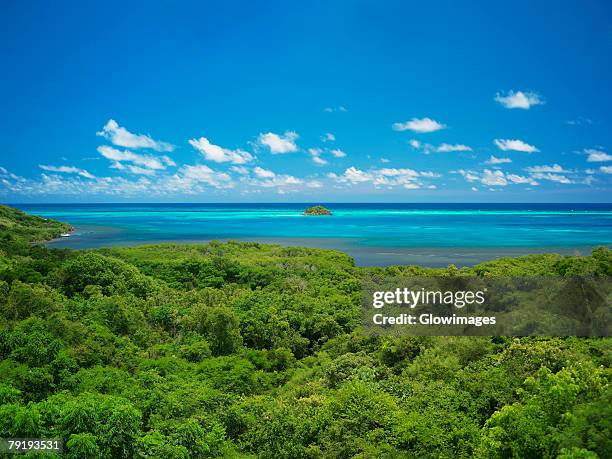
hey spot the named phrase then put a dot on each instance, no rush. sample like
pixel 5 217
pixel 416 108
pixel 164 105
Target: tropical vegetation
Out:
pixel 251 350
pixel 317 210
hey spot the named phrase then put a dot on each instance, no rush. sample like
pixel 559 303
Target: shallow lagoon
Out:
pixel 374 234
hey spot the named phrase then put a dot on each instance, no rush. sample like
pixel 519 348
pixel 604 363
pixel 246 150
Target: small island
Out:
pixel 317 210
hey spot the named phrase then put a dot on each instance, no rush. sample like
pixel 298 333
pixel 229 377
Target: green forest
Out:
pixel 246 350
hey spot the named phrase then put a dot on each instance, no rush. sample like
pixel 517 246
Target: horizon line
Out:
pixel 293 203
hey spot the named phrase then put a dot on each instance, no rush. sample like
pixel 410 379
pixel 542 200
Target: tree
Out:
pixel 220 326
pixel 83 446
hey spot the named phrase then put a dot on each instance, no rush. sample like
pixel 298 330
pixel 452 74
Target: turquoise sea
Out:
pixel 374 234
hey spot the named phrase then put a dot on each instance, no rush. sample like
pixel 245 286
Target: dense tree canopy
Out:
pixel 250 350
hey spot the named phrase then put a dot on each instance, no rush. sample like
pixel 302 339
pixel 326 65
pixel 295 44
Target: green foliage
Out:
pixel 20 225
pixel 83 446
pixel 156 445
pixel 542 420
pixel 110 274
pixel 250 350
pixel 22 300
pixel 220 325
pixel 317 210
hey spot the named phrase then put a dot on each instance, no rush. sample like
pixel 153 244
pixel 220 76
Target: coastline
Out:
pixel 364 255
pixel 433 235
pixel 70 231
pixel 431 257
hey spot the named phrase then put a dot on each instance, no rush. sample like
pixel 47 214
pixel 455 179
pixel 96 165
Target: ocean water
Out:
pixel 374 234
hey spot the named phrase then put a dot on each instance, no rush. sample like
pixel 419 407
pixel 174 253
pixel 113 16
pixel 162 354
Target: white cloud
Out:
pixel 385 177
pixel 596 156
pixel 445 147
pixel 519 99
pixel 280 181
pixel 335 109
pixel 120 136
pixel 474 188
pixel 397 172
pixel 66 170
pixel 240 170
pixel 328 137
pixel 495 160
pixel 442 148
pixel 338 153
pixel 579 122
pixel 520 179
pixel 545 168
pixel 219 154
pixel 189 180
pixel 263 173
pixel 496 178
pixel 469 176
pixel 421 125
pixel 316 153
pixel 265 178
pixel 514 145
pixel 279 143
pixel 588 180
pixel 606 169
pixel 167 160
pixel 204 174
pixel 552 177
pixel 493 178
pixel 148 161
pixel 140 170
pixel 354 175
pixel 385 160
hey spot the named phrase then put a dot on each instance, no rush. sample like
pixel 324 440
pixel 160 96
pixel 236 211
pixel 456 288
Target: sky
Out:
pixel 343 101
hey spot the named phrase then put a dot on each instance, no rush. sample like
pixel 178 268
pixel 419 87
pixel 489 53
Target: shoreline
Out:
pixel 363 255
pixel 421 235
pixel 71 231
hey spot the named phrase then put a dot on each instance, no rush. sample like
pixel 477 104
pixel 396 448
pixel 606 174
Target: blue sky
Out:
pixel 306 101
